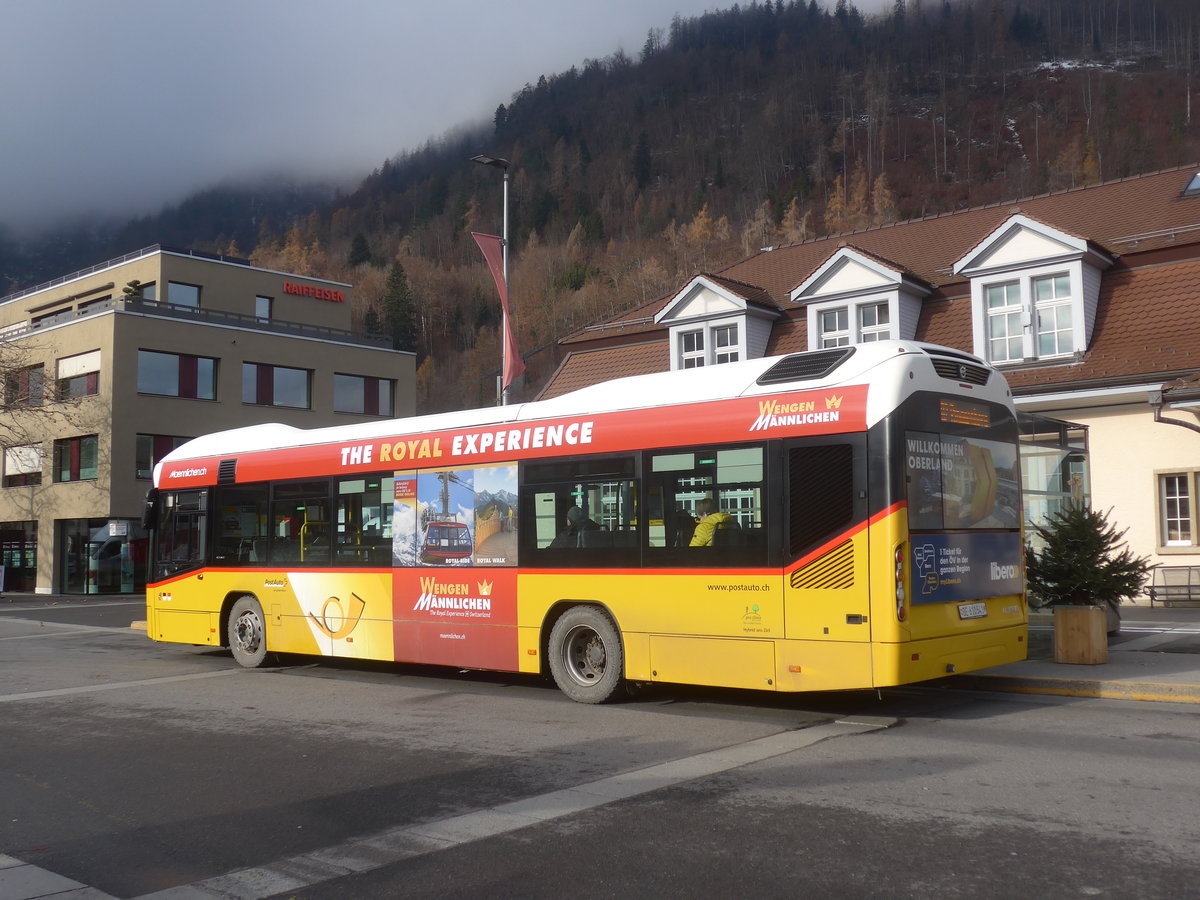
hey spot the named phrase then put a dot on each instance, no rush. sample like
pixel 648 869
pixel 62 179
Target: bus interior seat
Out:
pixel 595 538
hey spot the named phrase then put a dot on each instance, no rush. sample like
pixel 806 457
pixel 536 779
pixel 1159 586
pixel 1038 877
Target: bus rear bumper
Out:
pixel 912 661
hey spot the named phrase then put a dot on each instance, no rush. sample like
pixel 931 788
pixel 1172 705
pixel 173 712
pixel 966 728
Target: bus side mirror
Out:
pixel 150 510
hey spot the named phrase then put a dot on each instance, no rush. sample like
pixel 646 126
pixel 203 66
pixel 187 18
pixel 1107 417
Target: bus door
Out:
pixel 826 540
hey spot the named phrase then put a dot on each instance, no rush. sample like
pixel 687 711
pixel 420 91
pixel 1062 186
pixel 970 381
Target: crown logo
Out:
pixel 834 402
pixel 485 588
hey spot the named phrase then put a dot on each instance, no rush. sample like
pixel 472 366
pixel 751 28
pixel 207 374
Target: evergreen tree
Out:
pixel 371 323
pixel 1083 561
pixel 399 310
pixel 360 251
pixel 642 163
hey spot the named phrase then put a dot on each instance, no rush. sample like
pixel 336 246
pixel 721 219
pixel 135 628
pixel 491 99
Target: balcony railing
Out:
pixel 199 315
pixel 116 261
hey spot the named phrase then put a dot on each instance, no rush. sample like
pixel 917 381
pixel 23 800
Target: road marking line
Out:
pixel 69 630
pixel 113 686
pixel 396 844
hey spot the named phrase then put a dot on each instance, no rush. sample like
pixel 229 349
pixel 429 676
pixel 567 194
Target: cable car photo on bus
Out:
pixel 870 498
pixel 445 542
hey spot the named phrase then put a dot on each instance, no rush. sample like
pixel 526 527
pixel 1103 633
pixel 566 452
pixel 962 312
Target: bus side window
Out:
pixel 580 513
pixel 363 520
pixel 707 507
pixel 241 526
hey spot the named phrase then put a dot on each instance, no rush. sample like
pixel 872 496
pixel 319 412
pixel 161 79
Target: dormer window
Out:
pixel 1031 317
pixel 1034 292
pixel 714 321
pixel 834 326
pixel 725 344
pixel 856 298
pixel 709 346
pixel 691 349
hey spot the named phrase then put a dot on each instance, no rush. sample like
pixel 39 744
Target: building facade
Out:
pixel 1088 300
pixel 108 369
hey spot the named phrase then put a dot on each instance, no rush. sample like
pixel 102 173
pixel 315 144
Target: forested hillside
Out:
pixel 764 124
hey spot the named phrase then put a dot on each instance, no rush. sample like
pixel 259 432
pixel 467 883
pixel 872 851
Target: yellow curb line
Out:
pixel 138 626
pixel 1110 690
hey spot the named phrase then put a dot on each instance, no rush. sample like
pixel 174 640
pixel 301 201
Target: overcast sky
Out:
pixel 125 105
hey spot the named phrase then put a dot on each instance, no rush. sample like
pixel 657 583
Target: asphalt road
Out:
pixel 137 768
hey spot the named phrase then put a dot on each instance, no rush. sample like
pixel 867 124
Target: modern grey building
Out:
pixel 108 369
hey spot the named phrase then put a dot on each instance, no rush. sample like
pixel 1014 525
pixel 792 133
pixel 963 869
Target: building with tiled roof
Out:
pixel 1088 300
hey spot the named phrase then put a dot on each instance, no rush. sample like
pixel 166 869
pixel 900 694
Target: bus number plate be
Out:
pixel 972 610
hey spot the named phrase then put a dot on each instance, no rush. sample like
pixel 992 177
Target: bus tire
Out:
pixel 246 631
pixel 586 657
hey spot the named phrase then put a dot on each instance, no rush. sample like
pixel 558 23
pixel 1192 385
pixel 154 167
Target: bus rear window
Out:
pixel 957 482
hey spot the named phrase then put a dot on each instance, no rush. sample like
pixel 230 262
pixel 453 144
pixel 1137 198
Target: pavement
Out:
pixel 1154 657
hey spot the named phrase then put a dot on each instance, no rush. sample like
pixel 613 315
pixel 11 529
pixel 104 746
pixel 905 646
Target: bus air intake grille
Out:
pixel 833 571
pixel 227 471
pixel 805 366
pixel 961 371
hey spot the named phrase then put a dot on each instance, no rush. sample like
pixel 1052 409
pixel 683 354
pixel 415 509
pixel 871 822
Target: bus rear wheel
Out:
pixel 586 658
pixel 247 633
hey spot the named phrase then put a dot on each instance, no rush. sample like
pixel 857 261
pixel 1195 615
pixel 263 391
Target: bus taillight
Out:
pixel 901 612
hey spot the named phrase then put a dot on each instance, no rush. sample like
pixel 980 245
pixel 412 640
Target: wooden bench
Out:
pixel 1175 585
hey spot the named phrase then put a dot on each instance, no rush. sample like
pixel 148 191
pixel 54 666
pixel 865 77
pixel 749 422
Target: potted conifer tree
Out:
pixel 1083 564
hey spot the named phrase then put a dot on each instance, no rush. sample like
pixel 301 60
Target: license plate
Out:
pixel 972 610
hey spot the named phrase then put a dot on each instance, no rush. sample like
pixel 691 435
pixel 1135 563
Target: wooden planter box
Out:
pixel 1081 635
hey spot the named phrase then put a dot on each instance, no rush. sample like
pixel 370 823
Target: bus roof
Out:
pixel 750 378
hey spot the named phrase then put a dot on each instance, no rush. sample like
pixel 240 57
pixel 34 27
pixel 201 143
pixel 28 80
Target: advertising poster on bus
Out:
pixel 456 517
pixel 496 516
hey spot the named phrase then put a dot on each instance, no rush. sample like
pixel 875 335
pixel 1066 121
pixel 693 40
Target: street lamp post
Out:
pixel 496 162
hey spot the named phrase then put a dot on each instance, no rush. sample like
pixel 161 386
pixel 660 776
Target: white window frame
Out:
pixel 1007 319
pixel 1169 511
pixel 711 343
pixel 833 326
pixel 880 329
pixel 691 349
pixel 1048 314
pixel 725 345
pixel 851 327
pixel 1060 315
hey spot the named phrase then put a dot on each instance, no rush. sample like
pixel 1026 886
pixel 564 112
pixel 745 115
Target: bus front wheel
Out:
pixel 586 658
pixel 247 633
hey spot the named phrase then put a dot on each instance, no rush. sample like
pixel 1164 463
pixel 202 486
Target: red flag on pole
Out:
pixel 493 252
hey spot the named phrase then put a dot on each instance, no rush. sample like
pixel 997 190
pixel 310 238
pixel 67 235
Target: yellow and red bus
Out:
pixel 836 519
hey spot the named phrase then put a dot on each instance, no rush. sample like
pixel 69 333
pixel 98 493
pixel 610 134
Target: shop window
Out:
pixel 18 555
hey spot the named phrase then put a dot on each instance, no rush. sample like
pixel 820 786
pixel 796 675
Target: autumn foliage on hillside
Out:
pixel 765 124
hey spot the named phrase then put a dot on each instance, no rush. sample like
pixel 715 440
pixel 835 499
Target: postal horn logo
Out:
pixel 337 621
